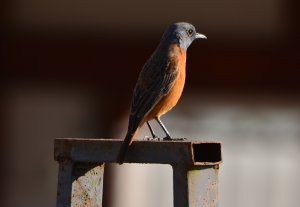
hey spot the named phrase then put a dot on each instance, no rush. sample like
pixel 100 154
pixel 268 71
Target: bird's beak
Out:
pixel 200 36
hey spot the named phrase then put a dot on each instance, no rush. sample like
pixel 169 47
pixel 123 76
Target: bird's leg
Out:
pixel 151 130
pixel 168 137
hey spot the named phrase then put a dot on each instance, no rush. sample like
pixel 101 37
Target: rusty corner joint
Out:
pixel 197 184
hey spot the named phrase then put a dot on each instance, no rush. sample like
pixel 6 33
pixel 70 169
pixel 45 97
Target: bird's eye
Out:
pixel 190 31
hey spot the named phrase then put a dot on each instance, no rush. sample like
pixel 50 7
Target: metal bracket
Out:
pixel 82 164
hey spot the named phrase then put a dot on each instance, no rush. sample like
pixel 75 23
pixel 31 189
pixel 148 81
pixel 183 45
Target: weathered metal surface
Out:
pixel 88 185
pixel 195 169
pixel 203 186
pixel 64 187
pixel 180 186
pixel 195 186
pixel 163 152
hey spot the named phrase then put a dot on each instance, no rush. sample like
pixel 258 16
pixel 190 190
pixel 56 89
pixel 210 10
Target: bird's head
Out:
pixel 182 33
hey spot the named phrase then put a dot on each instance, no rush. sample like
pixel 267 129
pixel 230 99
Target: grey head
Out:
pixel 181 33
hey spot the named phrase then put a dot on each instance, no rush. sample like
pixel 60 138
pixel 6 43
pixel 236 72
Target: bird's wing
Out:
pixel 154 82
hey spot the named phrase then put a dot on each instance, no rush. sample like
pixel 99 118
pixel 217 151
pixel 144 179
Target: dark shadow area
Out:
pixel 207 152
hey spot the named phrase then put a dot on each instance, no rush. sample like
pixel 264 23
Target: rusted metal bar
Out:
pixel 203 185
pixel 180 186
pixel 162 152
pixel 87 188
pixel 65 180
pixel 195 168
pixel 195 186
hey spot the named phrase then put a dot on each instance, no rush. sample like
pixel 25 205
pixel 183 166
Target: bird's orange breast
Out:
pixel 178 62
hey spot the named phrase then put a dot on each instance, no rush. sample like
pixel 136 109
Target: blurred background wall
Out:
pixel 70 66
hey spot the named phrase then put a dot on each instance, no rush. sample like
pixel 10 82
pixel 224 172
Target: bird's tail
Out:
pixel 125 145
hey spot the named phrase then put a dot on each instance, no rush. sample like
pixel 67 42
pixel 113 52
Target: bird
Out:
pixel 160 82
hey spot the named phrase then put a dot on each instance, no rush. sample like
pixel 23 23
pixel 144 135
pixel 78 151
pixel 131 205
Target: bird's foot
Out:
pixel 168 138
pixel 154 138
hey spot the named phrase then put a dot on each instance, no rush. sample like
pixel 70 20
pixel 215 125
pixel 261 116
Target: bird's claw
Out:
pixel 148 138
pixel 167 138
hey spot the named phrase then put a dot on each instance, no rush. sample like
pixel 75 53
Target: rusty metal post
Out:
pixel 64 187
pixel 80 184
pixel 87 188
pixel 195 186
pixel 203 186
pixel 195 169
pixel 180 186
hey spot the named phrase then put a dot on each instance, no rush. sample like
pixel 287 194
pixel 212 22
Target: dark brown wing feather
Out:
pixel 155 81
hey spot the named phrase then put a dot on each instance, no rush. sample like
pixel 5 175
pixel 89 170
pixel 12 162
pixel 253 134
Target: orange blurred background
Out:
pixel 70 68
